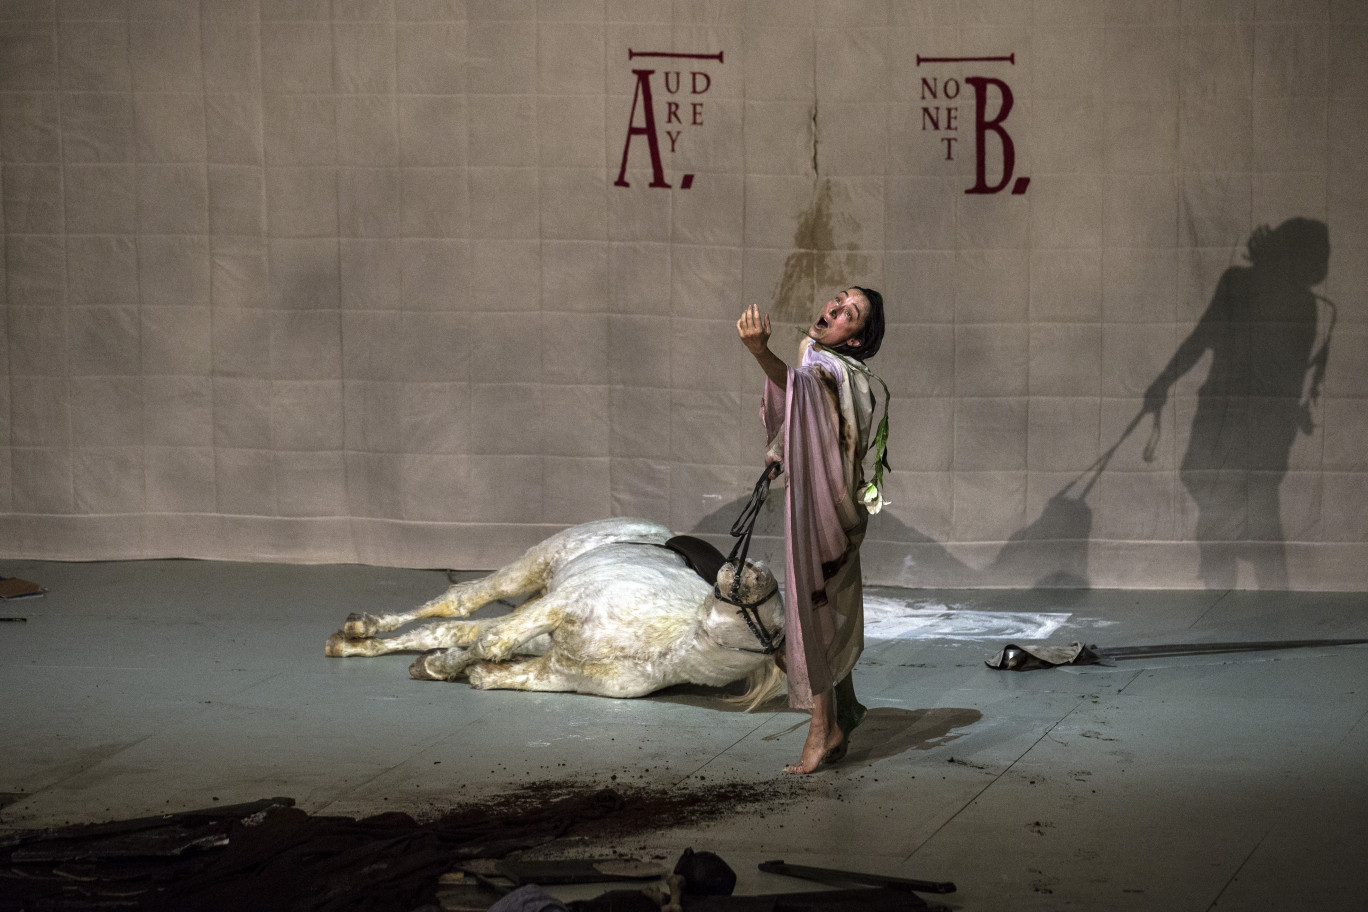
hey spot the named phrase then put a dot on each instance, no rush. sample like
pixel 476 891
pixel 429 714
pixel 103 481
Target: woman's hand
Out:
pixel 754 330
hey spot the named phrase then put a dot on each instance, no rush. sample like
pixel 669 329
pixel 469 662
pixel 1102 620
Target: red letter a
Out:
pixel 643 93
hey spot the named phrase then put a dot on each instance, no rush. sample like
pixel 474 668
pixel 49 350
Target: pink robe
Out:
pixel 819 426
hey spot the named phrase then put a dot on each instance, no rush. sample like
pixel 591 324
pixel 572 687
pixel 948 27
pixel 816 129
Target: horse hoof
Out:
pixel 361 625
pixel 333 648
pixel 419 671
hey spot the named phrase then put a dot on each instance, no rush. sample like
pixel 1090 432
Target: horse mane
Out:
pixel 762 684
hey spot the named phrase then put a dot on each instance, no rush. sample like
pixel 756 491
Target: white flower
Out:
pixel 872 498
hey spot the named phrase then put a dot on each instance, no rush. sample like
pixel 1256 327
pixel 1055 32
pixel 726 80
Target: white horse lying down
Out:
pixel 611 612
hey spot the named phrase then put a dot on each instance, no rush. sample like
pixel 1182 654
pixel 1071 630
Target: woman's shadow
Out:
pixel 887 732
pixel 1262 330
pixel 1269 339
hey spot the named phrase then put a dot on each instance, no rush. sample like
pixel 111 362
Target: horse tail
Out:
pixel 762 683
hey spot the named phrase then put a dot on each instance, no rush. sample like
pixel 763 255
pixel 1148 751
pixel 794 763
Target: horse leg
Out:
pixel 437 635
pixel 529 573
pixel 497 640
pixel 525 575
pixel 528 674
pixel 549 673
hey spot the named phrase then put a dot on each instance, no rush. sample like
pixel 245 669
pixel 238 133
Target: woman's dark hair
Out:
pixel 871 334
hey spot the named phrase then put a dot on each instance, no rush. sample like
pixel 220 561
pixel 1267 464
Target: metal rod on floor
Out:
pixel 833 876
pixel 1172 649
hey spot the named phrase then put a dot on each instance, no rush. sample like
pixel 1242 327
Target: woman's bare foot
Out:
pixel 837 753
pixel 822 741
pixel 824 735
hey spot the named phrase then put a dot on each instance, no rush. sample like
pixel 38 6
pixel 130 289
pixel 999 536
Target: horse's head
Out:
pixel 747 613
pixel 756 585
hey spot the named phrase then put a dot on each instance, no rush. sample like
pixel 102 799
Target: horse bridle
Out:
pixel 770 642
pixel 742 530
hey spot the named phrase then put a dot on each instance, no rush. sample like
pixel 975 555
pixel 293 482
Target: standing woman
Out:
pixel 817 419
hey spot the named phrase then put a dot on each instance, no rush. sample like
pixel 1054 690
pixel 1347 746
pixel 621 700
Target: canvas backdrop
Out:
pixel 420 282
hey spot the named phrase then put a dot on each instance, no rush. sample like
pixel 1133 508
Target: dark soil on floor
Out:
pixel 270 854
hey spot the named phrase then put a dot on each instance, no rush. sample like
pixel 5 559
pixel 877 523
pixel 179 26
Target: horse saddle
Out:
pixel 702 557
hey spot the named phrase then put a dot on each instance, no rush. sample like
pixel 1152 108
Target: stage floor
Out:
pixel 1233 781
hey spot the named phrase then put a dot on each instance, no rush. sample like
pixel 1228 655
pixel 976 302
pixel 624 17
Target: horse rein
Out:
pixel 742 530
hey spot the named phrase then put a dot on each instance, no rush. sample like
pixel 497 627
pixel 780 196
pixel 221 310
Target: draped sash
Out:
pixel 819 427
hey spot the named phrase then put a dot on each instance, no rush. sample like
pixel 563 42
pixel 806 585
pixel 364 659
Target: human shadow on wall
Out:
pixel 1270 347
pixel 1261 328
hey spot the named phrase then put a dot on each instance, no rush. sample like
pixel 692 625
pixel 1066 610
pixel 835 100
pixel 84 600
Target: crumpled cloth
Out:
pixel 1027 658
